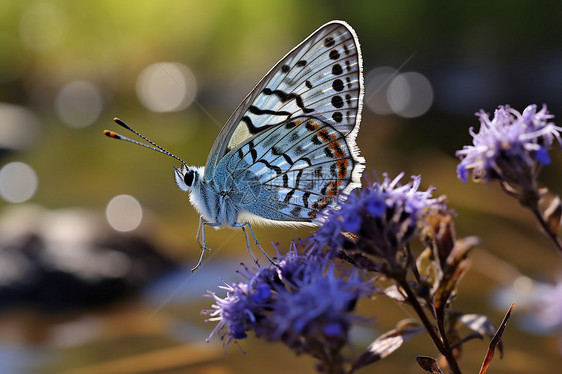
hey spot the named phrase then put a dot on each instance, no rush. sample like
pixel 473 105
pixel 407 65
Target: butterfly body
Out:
pixel 289 150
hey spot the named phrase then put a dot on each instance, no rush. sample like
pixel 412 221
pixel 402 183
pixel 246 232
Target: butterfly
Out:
pixel 289 150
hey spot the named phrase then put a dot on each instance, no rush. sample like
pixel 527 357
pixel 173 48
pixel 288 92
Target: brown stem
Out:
pixel 412 263
pixel 555 238
pixel 440 342
pixel 332 362
pixel 440 318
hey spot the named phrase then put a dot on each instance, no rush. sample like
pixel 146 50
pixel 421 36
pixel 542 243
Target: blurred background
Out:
pixel 96 241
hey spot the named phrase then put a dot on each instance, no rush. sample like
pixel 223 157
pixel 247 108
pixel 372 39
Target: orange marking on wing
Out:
pixel 338 150
pixel 326 136
pixel 332 189
pixel 323 203
pixel 342 168
pixel 311 125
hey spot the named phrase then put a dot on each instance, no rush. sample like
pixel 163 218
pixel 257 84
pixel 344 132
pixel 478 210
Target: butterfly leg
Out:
pixel 243 226
pixel 248 246
pixel 203 242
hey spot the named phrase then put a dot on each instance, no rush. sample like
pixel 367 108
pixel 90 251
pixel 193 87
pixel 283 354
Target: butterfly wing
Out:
pixel 291 172
pixel 321 77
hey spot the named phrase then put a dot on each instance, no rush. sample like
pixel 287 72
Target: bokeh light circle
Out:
pixel 410 94
pixel 79 103
pixel 376 87
pixel 166 87
pixel 124 213
pixel 19 127
pixel 42 26
pixel 18 182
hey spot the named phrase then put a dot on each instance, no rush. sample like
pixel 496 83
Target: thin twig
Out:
pixel 440 342
pixel 552 236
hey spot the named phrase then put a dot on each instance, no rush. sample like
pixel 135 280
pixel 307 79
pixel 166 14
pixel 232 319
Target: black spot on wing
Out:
pixel 307 160
pixel 251 128
pixel 337 116
pixel 298 178
pixel 338 85
pixel 288 196
pixel 310 127
pixel 318 173
pixel 296 211
pixel 287 158
pixel 337 69
pixel 255 110
pixel 305 197
pixel 254 154
pixel 299 150
pixel 284 97
pixel 276 168
pixel 337 101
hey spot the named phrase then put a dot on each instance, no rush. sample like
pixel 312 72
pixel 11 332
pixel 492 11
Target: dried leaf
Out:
pixel 482 325
pixel 442 232
pixel 429 269
pixel 457 265
pixel 495 341
pixel 553 214
pixel 394 293
pixel 448 284
pixel 429 364
pixel 407 323
pixel 384 345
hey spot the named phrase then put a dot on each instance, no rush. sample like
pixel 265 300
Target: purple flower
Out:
pixel 303 302
pixel 382 218
pixel 238 312
pixel 315 309
pixel 510 147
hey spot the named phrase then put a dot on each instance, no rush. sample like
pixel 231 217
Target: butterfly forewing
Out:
pixel 320 78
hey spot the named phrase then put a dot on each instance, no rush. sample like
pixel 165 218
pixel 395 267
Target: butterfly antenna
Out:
pixel 155 147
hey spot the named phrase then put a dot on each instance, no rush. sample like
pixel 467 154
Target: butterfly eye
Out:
pixel 188 177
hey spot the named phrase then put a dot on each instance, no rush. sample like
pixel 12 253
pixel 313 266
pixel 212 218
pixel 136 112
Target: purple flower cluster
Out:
pixel 302 301
pixel 382 217
pixel 510 147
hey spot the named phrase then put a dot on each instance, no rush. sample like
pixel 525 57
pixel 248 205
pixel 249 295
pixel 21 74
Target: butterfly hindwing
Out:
pixel 321 78
pixel 294 170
